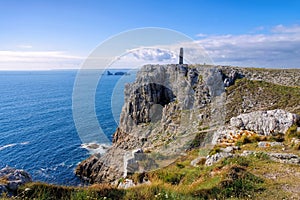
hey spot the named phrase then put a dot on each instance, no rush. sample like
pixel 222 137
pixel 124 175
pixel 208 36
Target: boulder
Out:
pixel 127 183
pixel 269 144
pixel 198 161
pixel 210 160
pixel 264 123
pixel 12 178
pixel 230 149
pixel 269 122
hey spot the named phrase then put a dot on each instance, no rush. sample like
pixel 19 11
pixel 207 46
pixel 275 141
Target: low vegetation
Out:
pixel 252 177
pixel 248 95
pixel 232 178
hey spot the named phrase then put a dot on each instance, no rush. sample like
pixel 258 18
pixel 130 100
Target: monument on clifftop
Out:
pixel 181 56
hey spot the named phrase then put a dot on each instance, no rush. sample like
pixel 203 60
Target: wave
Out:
pixel 94 147
pixel 12 145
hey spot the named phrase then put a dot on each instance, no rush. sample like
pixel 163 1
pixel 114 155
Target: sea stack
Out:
pixel 181 56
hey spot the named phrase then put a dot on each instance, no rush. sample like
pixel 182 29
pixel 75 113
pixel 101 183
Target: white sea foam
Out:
pixel 94 147
pixel 7 146
pixel 12 145
pixel 24 143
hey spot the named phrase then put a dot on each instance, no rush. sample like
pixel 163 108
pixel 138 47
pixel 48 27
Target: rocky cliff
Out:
pixel 170 109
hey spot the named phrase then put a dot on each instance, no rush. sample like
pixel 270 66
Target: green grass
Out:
pixel 232 178
pixel 262 95
pixel 229 178
pixel 292 133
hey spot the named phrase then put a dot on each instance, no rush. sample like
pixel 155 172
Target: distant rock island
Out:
pixel 117 73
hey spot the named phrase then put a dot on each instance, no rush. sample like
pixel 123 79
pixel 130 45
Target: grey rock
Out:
pixel 247 153
pixel 196 161
pixel 286 158
pixel 269 144
pixel 230 149
pixel 13 178
pixel 266 123
pixel 3 188
pixel 289 77
pixel 127 183
pixel 269 122
pixel 231 77
pixel 210 160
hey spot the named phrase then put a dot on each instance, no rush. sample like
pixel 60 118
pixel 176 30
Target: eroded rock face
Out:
pixel 264 123
pixel 168 105
pixel 164 103
pixel 11 179
pixel 269 122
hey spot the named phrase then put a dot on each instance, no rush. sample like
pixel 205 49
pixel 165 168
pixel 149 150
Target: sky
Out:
pixel 61 34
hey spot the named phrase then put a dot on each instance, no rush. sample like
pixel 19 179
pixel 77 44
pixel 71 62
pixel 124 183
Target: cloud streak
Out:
pixel 278 48
pixel 39 60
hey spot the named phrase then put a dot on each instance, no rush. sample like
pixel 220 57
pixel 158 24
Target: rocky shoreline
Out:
pixel 11 179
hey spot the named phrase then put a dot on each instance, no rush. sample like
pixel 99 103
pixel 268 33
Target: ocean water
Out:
pixel 37 131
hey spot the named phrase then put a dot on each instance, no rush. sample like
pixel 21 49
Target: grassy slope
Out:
pixel 238 178
pixel 252 177
pixel 247 96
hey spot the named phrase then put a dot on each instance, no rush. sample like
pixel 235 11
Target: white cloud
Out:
pixel 153 54
pixel 279 48
pixel 201 35
pixel 284 29
pixel 23 60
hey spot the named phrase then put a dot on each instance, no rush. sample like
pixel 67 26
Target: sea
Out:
pixel 37 129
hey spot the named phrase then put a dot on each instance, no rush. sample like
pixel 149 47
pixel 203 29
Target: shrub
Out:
pixel 250 139
pixel 197 141
pixel 215 150
pixel 292 133
pixel 296 146
pixel 239 160
pixel 179 165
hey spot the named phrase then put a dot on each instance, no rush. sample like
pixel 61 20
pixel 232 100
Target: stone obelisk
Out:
pixel 181 56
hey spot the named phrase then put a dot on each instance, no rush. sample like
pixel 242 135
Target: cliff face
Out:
pixel 172 108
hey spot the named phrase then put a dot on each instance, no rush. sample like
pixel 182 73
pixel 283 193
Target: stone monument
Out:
pixel 181 56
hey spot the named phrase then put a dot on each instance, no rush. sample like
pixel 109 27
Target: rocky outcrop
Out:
pixel 264 123
pixel 287 158
pixel 269 144
pixel 269 122
pixel 210 160
pixel 11 179
pixel 287 77
pixel 168 107
pixel 163 111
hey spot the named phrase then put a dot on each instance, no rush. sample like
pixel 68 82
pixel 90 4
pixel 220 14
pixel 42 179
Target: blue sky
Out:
pixel 36 34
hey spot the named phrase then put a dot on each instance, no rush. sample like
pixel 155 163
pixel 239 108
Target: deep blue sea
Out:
pixel 37 131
